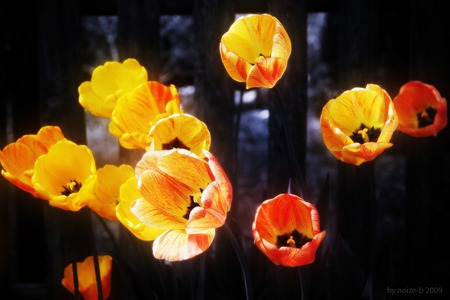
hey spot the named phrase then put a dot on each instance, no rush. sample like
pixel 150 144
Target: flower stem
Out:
pixel 240 256
pixel 300 277
pixel 76 290
pixel 296 169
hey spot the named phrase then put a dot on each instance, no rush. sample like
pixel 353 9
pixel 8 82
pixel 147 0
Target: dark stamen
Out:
pixel 371 132
pixel 176 143
pixel 426 117
pixel 69 189
pixel 190 208
pixel 300 239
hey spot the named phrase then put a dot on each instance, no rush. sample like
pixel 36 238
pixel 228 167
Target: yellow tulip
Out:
pixel 66 175
pixel 180 131
pixel 357 126
pixel 108 83
pixel 255 50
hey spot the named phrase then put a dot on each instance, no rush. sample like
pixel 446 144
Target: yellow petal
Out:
pixel 129 193
pixel 107 191
pixel 180 131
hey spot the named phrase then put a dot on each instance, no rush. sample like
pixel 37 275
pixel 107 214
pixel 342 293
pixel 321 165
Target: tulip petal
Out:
pixel 176 245
pixel 129 193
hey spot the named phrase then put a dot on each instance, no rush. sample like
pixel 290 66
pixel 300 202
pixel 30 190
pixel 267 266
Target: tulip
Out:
pixel 255 50
pixel 421 109
pixel 136 112
pixel 180 131
pixel 287 230
pixel 108 83
pixel 357 126
pixel 18 158
pixel 66 176
pixel 87 283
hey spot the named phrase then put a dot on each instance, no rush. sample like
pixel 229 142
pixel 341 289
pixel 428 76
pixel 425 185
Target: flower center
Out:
pixel 194 203
pixel 426 117
pixel 294 239
pixel 72 186
pixel 176 143
pixel 365 134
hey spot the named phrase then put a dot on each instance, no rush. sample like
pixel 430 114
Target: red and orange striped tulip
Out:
pixel 186 196
pixel 287 230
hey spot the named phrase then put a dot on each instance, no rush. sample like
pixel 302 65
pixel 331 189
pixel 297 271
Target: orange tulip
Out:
pixel 18 158
pixel 357 126
pixel 87 283
pixel 136 112
pixel 287 230
pixel 108 83
pixel 186 196
pixel 256 50
pixel 421 109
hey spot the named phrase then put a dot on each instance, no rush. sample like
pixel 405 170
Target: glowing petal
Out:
pixel 176 245
pixel 129 193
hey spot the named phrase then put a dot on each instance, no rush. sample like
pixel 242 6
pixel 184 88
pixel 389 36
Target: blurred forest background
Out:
pixel 399 240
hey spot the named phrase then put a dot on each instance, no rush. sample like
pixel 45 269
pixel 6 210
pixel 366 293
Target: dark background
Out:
pixel 387 221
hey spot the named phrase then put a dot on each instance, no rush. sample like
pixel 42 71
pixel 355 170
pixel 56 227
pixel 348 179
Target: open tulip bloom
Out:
pixel 87 283
pixel 421 109
pixel 66 176
pixel 184 195
pixel 18 158
pixel 255 50
pixel 287 230
pixel 357 126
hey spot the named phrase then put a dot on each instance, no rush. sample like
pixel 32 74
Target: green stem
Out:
pixel 240 256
